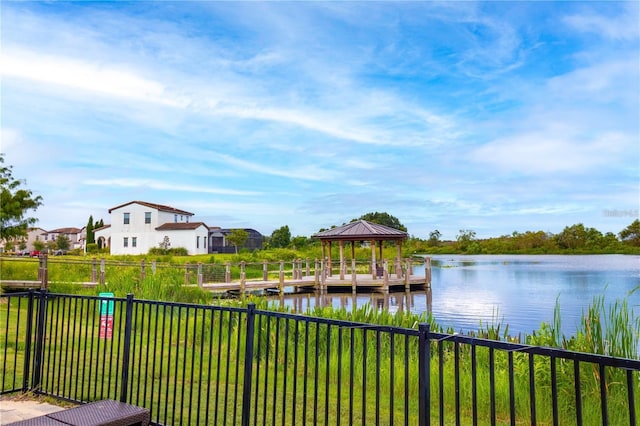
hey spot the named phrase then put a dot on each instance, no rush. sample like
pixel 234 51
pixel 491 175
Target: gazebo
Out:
pixel 357 232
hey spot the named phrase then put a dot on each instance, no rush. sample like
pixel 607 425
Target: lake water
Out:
pixel 518 290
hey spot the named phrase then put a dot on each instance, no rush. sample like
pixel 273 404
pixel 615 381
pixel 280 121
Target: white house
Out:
pixel 138 226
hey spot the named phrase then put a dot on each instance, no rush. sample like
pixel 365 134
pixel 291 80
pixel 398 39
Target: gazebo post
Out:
pixel 342 264
pixel 398 258
pixel 374 272
pixel 330 266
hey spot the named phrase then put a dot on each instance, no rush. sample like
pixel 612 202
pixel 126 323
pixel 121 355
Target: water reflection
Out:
pixel 520 291
pixel 414 301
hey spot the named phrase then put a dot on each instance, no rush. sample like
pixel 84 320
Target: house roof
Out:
pixel 171 226
pixel 361 230
pixel 154 206
pixel 101 228
pixel 65 231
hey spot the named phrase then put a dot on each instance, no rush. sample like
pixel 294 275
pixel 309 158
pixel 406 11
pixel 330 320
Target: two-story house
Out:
pixel 138 226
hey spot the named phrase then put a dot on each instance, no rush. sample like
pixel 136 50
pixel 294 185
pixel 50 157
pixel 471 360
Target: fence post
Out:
pixel 243 277
pixel 227 272
pixel 153 267
pixel 44 273
pixel 28 339
pixel 200 276
pixel 40 326
pixel 102 277
pixel 127 348
pixel 424 376
pixel 265 270
pixel 248 365
pixel 281 277
pixel 143 271
pixel 94 270
pixel 187 278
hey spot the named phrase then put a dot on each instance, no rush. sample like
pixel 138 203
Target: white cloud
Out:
pixel 624 26
pixel 106 80
pixel 551 151
pixel 158 185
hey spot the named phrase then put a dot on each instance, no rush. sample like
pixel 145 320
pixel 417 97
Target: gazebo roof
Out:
pixel 361 230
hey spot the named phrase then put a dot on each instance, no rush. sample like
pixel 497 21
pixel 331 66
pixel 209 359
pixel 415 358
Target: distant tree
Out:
pixel 434 238
pixel 39 245
pixel 281 237
pixel 62 242
pixel 165 244
pixel 300 242
pixel 572 237
pixel 98 224
pixel 631 234
pixel 90 235
pixel 237 237
pixel 15 202
pixel 383 219
pixel 465 238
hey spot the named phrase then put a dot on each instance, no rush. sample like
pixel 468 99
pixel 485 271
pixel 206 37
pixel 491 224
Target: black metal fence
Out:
pixel 195 364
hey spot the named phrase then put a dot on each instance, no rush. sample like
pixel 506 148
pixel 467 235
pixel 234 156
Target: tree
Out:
pixel 383 219
pixel 237 237
pixel 465 238
pixel 39 245
pixel 434 238
pixel 631 234
pixel 62 242
pixel 91 238
pixel 15 202
pixel 281 237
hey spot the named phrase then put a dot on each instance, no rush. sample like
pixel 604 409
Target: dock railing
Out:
pixel 199 364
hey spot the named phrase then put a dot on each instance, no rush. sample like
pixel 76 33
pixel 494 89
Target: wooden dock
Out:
pixel 382 278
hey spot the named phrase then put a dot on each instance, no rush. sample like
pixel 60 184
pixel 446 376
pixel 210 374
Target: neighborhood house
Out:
pixel 138 226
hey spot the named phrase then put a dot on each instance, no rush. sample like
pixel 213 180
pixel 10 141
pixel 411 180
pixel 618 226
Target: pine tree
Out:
pixel 91 239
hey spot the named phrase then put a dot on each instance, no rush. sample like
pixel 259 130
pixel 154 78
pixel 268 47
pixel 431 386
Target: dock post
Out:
pixel 427 272
pixel 316 273
pixel 398 266
pixel 102 272
pixel 323 276
pixel 353 277
pixel 200 277
pixel 265 270
pixel 385 276
pixel 281 277
pixel 227 272
pixel 308 272
pixel 243 278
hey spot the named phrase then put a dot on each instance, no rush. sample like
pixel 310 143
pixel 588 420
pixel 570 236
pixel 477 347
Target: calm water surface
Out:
pixel 518 290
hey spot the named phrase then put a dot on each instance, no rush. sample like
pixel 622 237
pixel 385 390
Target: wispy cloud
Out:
pixel 451 115
pixel 164 186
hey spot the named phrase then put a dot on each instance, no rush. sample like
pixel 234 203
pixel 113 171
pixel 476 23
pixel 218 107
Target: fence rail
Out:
pixel 197 364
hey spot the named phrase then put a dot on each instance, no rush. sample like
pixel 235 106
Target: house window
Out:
pixel 198 241
pixel 175 218
pixel 126 218
pixel 204 242
pixel 134 241
pixel 126 241
pixel 147 217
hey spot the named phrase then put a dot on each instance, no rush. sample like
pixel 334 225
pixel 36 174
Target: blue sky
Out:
pixel 495 117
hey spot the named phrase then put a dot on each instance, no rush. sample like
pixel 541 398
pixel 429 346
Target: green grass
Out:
pixel 196 375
